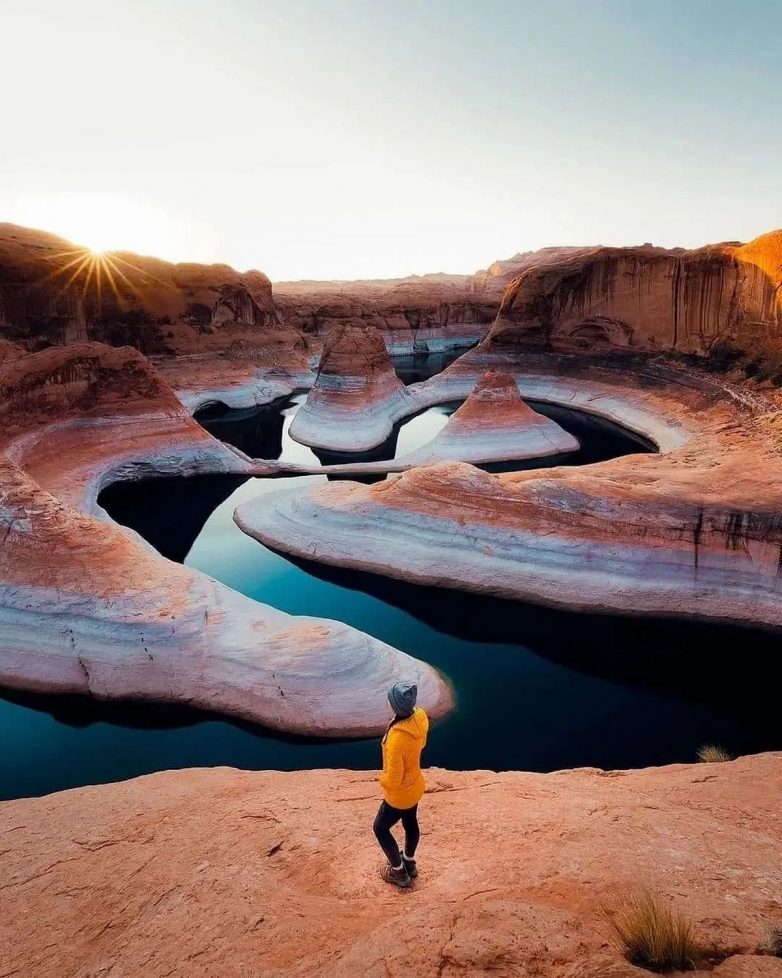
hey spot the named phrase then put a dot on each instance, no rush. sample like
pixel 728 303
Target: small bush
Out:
pixel 711 754
pixel 653 936
pixel 773 943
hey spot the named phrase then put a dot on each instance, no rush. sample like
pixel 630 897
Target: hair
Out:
pixel 395 719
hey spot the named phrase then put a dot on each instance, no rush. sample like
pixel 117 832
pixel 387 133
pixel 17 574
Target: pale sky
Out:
pixel 369 138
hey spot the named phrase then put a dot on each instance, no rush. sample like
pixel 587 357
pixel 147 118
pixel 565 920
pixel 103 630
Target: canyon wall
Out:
pixel 87 607
pixel 693 531
pixel 54 292
pixel 421 314
pixel 650 299
pixel 584 298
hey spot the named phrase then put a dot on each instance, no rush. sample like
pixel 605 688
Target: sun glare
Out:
pixel 102 224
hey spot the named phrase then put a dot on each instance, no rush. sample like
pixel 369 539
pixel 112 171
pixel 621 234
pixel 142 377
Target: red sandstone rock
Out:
pixel 52 291
pixel 425 313
pixel 419 313
pixel 651 299
pixel 692 532
pixel 357 395
pixel 494 424
pixel 225 874
pixel 84 379
pixel 9 351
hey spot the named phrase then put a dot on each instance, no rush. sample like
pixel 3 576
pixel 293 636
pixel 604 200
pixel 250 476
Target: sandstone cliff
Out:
pixel 54 292
pixel 419 313
pixel 412 315
pixel 649 299
pixel 86 379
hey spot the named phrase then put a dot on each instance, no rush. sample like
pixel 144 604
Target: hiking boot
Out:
pixel 410 866
pixel 398 877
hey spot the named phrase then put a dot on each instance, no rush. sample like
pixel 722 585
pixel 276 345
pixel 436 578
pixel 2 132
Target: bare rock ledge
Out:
pixel 228 874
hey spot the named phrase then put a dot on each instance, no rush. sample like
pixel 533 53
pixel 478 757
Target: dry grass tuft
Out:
pixel 773 943
pixel 652 935
pixel 711 754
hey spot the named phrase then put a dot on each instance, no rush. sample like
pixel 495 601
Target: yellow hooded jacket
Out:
pixel 401 780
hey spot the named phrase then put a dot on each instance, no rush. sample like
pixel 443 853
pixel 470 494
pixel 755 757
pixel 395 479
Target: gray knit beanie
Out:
pixel 402 697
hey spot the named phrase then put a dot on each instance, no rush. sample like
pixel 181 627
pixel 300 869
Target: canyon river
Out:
pixel 536 689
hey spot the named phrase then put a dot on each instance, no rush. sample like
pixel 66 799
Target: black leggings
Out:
pixel 386 817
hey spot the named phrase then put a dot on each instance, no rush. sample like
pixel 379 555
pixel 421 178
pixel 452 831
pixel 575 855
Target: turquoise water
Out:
pixel 537 689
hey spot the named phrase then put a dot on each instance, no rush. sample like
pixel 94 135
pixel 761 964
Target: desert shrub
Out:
pixel 654 936
pixel 724 355
pixel 712 754
pixel 773 943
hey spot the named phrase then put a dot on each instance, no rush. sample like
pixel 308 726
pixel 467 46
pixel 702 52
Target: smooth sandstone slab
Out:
pixel 494 425
pixel 88 607
pixel 691 532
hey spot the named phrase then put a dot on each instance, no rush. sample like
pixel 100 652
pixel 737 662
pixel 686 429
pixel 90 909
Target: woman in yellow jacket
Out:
pixel 402 783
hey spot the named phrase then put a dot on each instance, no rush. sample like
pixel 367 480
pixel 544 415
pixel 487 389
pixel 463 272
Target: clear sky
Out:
pixel 368 138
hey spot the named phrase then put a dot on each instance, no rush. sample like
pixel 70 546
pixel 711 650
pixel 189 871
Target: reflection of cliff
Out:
pixel 52 291
pixel 148 507
pixel 256 431
pixel 649 298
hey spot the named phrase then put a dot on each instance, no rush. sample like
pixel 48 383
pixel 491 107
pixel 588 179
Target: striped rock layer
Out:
pixel 357 395
pixel 87 607
pixel 693 531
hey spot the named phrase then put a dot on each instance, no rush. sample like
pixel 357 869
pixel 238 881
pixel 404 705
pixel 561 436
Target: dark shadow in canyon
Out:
pixel 175 510
pixel 80 711
pixel 693 660
pixel 412 368
pixel 257 431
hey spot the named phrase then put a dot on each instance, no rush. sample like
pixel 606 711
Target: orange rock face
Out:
pixel 225 874
pixel 52 291
pixel 650 299
pixel 418 313
pixel 82 379
pixel 425 313
pixel 493 424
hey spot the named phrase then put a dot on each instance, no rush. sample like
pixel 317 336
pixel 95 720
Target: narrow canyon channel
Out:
pixel 536 689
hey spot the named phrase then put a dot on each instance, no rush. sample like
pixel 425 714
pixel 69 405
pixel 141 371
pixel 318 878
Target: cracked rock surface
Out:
pixel 224 874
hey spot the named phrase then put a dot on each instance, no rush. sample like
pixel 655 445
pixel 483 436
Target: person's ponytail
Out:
pixel 394 719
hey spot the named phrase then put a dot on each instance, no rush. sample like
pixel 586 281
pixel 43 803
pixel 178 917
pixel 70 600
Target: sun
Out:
pixel 103 232
pixel 105 224
pixel 102 223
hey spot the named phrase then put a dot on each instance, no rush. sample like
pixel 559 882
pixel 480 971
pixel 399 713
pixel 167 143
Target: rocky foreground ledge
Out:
pixel 229 874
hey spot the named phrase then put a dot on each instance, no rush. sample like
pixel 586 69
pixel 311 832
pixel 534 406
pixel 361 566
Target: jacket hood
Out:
pixel 416 725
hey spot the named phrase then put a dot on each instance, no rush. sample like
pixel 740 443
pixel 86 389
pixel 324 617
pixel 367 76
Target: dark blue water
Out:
pixel 537 689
